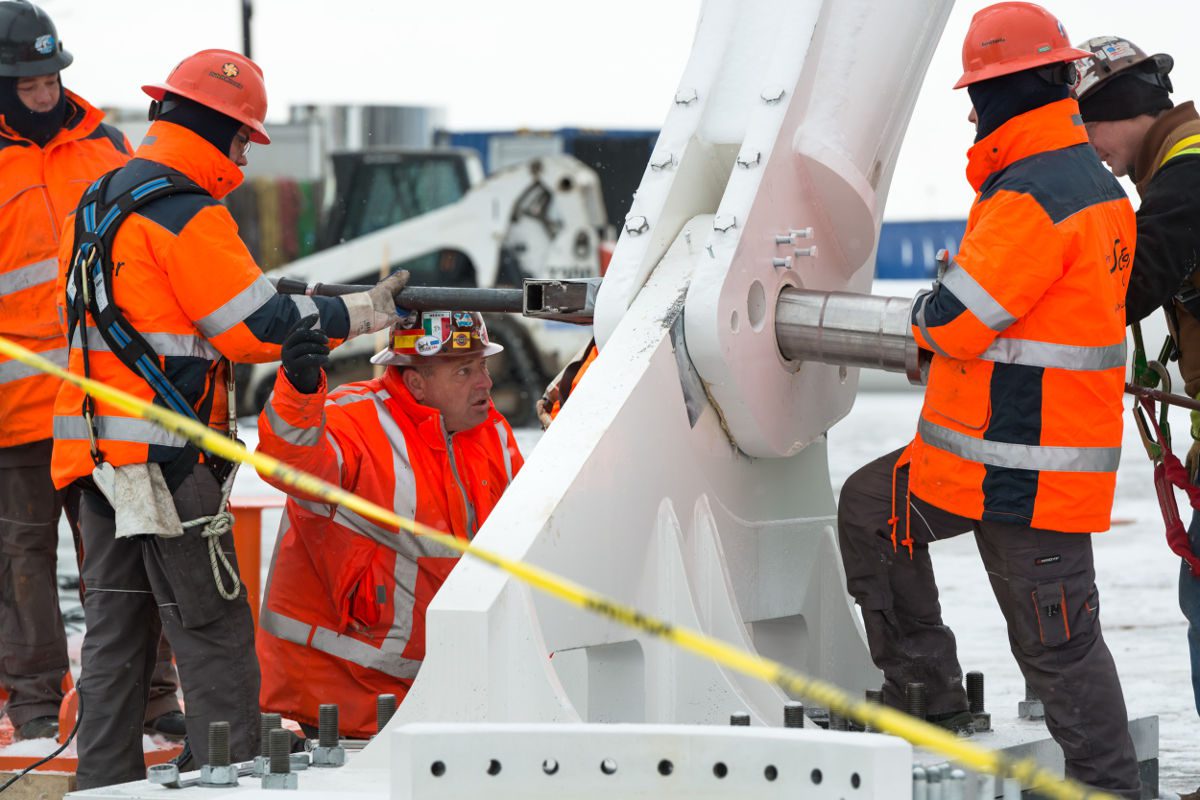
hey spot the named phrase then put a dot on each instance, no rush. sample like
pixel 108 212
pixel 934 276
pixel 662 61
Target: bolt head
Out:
pixel 686 97
pixel 636 226
pixel 289 780
pixel 328 756
pixel 162 774
pixel 724 222
pixel 772 94
pixel 659 163
pixel 218 776
pixel 749 159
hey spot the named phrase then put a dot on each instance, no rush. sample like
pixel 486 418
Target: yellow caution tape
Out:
pixel 880 717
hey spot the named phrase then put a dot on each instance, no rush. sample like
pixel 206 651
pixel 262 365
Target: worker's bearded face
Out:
pixel 460 388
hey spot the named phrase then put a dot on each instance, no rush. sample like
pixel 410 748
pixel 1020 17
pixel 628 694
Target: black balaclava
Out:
pixel 1124 97
pixel 1000 99
pixel 38 127
pixel 212 126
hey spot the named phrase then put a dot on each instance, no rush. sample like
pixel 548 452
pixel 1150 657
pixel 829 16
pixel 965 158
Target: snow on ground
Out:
pixel 1136 574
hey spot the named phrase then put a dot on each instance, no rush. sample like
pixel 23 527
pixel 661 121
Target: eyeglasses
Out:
pixel 243 143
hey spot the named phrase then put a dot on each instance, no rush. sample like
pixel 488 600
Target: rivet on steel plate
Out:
pixel 724 222
pixel 748 160
pixel 635 226
pixel 686 97
pixel 772 94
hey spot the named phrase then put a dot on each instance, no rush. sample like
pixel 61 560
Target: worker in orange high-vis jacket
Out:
pixel 52 145
pixel 343 613
pixel 1020 435
pixel 159 295
pixel 563 385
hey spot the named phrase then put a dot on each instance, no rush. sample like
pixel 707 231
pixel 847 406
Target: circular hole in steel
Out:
pixel 816 776
pixel 608 766
pixel 756 305
pixel 735 324
pixel 770 773
pixel 493 767
pixel 665 767
pixel 549 766
pixel 437 769
pixel 720 770
pixel 855 780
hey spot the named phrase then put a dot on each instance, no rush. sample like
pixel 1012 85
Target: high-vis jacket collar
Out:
pixel 82 119
pixel 187 152
pixel 1049 127
pixel 427 419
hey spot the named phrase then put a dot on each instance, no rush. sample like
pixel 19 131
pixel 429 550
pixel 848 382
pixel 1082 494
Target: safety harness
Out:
pixel 91 277
pixel 1169 473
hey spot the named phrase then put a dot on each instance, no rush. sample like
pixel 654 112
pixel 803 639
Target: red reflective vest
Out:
pixel 1022 415
pixel 39 187
pixel 343 613
pixel 186 282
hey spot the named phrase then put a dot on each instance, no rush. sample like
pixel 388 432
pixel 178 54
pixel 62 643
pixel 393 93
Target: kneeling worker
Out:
pixel 160 295
pixel 343 614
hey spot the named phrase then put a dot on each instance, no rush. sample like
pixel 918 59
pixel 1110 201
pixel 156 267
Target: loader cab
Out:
pixel 367 191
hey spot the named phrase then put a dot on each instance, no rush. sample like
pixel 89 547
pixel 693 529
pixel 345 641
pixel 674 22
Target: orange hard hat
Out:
pixel 224 81
pixel 1010 37
pixel 436 334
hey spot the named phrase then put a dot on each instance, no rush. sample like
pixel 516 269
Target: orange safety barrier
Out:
pixel 247 541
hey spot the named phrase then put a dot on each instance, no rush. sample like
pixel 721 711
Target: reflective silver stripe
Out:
pixel 14 370
pixel 921 300
pixel 386 658
pixel 502 432
pixel 337 451
pixel 116 429
pixel 976 298
pixel 351 397
pixel 305 305
pixel 320 509
pixel 292 434
pixel 404 500
pixel 164 344
pixel 1062 356
pixel 240 306
pixel 1020 456
pixel 292 630
pixel 38 272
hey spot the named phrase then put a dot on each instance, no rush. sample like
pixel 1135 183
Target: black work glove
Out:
pixel 305 351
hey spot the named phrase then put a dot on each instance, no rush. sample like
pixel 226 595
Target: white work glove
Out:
pixel 545 403
pixel 375 309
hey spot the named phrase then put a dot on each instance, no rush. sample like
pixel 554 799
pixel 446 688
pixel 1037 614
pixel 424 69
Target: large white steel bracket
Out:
pixel 786 125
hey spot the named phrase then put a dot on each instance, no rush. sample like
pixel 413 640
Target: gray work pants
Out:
pixel 131 585
pixel 33 647
pixel 1044 582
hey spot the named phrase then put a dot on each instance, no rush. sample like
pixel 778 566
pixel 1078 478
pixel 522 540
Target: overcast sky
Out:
pixel 536 63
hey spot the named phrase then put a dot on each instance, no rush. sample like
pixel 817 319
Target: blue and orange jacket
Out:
pixel 187 283
pixel 39 187
pixel 1022 415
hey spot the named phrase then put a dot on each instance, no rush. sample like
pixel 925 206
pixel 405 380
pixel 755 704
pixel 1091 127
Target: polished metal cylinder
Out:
pixel 851 330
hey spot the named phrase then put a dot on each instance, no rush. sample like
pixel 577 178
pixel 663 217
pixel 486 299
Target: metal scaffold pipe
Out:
pixel 852 330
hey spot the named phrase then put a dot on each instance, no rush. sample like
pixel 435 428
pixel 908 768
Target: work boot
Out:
pixel 960 722
pixel 38 728
pixel 170 726
pixel 1191 796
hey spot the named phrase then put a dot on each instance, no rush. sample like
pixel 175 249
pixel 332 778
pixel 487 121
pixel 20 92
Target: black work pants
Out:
pixel 1044 582
pixel 33 646
pixel 136 587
